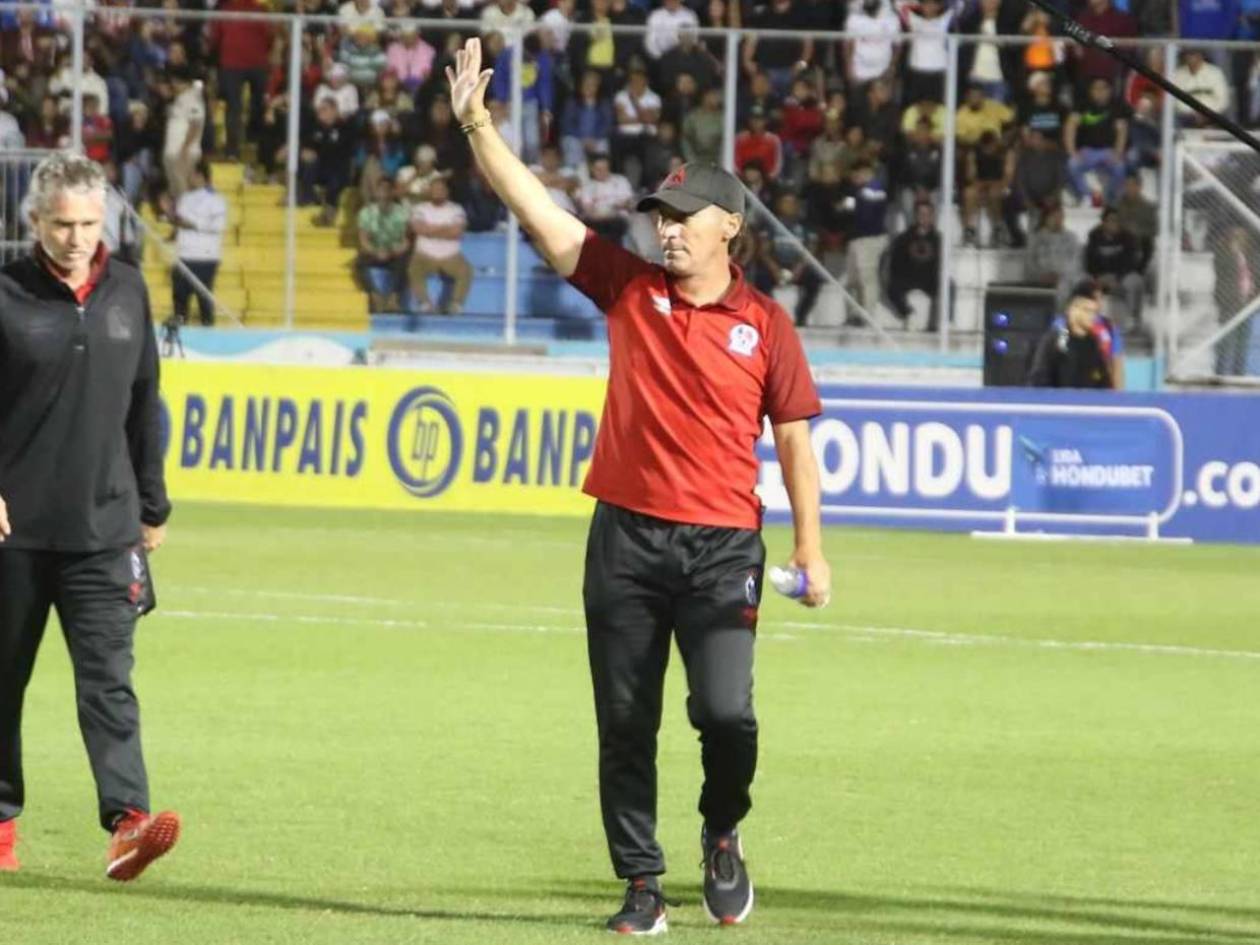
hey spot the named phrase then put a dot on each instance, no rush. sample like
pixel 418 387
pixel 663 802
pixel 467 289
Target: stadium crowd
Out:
pixel 842 141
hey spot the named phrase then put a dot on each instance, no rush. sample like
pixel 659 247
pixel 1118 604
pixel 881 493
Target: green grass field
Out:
pixel 379 729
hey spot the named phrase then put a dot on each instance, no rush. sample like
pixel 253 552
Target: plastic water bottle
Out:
pixel 790 582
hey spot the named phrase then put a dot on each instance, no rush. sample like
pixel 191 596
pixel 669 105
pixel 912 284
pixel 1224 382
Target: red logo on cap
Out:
pixel 677 178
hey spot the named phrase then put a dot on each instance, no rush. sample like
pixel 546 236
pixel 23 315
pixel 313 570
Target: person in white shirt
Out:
pixel 604 201
pixel 439 225
pixel 1203 80
pixel 339 88
pixel 558 24
pixel 354 13
pixel 505 15
pixel 200 221
pixel 871 55
pixel 663 25
pixel 62 84
pixel 185 119
pixel 561 181
pixel 637 110
pixel 928 57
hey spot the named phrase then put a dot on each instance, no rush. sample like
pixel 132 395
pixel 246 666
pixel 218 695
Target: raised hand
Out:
pixel 468 82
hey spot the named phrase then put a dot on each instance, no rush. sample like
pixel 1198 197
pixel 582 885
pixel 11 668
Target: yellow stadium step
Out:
pixel 310 320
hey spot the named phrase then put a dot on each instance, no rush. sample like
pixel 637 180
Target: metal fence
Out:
pixel 849 290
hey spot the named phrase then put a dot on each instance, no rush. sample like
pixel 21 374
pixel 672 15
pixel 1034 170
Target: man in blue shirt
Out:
pixel 537 93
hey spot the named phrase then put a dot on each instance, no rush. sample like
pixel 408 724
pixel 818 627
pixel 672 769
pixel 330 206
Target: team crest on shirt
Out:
pixel 744 340
pixel 661 304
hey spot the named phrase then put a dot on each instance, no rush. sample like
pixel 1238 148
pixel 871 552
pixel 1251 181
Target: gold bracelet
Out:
pixel 481 121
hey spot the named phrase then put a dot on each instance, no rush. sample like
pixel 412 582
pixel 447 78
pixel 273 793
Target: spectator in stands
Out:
pixel 1112 258
pixel 783 60
pixel 28 42
pixel 1235 287
pixel 753 177
pixel 50 130
pixel 390 97
pixel 914 265
pixel 1203 80
pixel 1205 19
pixel 361 54
pixel 557 24
pixel 599 49
pixel 272 135
pixel 1041 113
pixel 664 24
pixel 1092 63
pixel 119 231
pixel 504 16
pixel 1039 181
pixel 828 147
pixel 1095 138
pixel 872 54
pixel 879 117
pixel 384 243
pixel 785 252
pixel 605 200
pixel 185 120
pixel 866 205
pixel 244 51
pixel 200 218
pixel 927 60
pixel 452 149
pixel 1145 134
pixel 979 114
pixel 660 155
pixel 681 98
pixel 561 182
pixel 63 82
pixel 1043 55
pixel 989 171
pixel 26 92
pixel 690 57
pixel 758 143
pixel 825 212
pixel 410 58
pixel 918 174
pixel 338 88
pixel 802 122
pixel 11 137
pixel 537 92
pixel 98 131
pixel 136 149
pixel 438 225
pixel 1136 85
pixel 1082 348
pixel 637 109
pixel 925 108
pixel 1053 255
pixel 324 164
pixel 380 155
pixel 587 123
pixel 1154 17
pixel 1138 217
pixel 356 13
pixel 703 129
pixel 144 55
pixel 413 180
pixel 993 67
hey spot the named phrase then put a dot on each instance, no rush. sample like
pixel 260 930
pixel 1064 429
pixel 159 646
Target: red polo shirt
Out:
pixel 99 258
pixel 688 390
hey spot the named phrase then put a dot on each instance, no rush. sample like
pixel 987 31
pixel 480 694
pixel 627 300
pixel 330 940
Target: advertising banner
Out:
pixel 916 457
pixel 378 438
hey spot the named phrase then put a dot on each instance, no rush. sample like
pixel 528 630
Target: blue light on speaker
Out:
pixel 1000 345
pixel 1001 319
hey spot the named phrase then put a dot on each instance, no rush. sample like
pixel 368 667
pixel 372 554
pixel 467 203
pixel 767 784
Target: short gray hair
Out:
pixel 61 172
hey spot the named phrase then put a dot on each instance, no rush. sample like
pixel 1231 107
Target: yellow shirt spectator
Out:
pixel 979 115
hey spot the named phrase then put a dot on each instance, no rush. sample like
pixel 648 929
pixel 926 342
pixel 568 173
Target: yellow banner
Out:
pixel 379 438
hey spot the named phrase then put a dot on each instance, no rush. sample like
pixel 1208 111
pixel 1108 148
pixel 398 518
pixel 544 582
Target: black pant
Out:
pixel 645 580
pixel 93 596
pixel 182 289
pixel 231 81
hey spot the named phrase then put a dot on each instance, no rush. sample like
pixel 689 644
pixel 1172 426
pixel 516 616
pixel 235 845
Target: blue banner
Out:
pixel 1186 465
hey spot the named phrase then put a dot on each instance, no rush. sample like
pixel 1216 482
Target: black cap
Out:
pixel 1085 289
pixel 695 186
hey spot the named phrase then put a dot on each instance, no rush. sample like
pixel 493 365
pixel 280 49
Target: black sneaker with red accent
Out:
pixel 728 892
pixel 643 912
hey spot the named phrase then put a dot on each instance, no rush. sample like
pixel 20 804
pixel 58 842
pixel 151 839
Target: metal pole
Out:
pixel 514 225
pixel 945 223
pixel 291 171
pixel 76 94
pixel 1169 241
pixel 731 81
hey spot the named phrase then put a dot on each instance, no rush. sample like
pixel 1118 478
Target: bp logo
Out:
pixel 425 442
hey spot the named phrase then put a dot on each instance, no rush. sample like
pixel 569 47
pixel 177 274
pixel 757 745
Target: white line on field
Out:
pixel 983 639
pixel 856 633
pixel 351 599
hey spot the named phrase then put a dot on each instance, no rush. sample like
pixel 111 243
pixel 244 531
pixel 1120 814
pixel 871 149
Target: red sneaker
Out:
pixel 8 843
pixel 138 840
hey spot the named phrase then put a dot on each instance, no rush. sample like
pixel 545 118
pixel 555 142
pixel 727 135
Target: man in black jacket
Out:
pixel 915 263
pixel 1082 347
pixel 82 496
